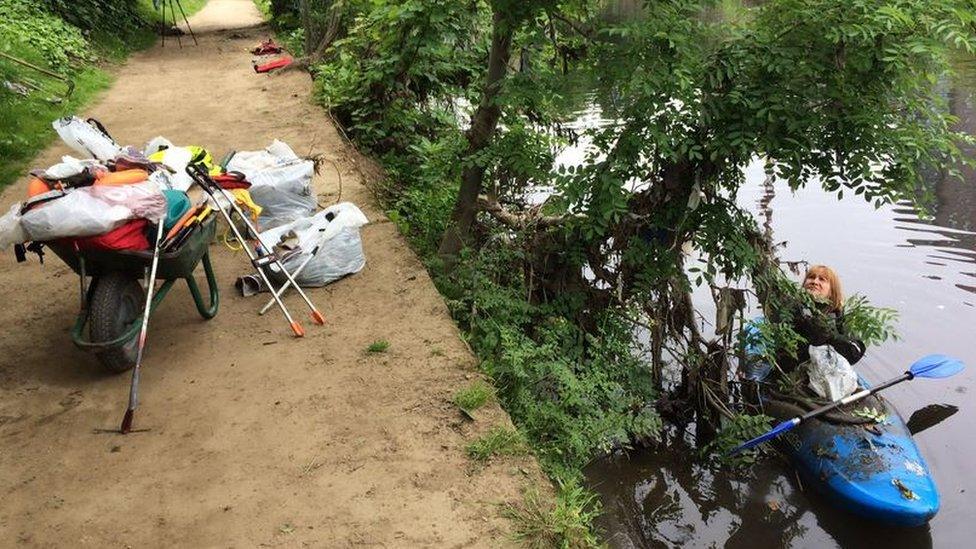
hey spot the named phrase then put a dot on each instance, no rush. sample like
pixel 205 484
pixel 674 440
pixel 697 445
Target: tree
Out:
pixel 836 92
pixel 509 17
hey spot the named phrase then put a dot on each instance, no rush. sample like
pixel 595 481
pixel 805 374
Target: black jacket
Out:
pixel 820 329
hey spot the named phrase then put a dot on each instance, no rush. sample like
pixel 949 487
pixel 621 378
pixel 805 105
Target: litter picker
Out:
pixel 134 385
pixel 287 284
pixel 260 257
pixel 329 216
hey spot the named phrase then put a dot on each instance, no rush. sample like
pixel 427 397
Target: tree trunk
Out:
pixel 313 31
pixel 280 7
pixel 483 126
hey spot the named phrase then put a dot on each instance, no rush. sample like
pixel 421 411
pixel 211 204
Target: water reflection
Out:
pixel 660 497
pixel 925 268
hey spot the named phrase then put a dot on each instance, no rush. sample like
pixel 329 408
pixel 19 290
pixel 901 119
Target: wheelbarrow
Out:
pixel 112 303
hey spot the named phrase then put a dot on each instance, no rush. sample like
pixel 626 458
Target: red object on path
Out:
pixel 272 65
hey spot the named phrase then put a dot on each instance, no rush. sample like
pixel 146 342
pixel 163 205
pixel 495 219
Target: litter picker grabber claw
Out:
pixel 134 385
pixel 281 291
pixel 259 257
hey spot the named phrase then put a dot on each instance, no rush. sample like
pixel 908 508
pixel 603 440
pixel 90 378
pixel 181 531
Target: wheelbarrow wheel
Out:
pixel 116 302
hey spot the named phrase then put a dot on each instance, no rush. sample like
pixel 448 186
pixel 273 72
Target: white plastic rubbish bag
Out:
pixel 156 144
pixel 340 247
pixel 93 210
pixel 248 162
pixel 284 193
pixel 86 138
pixel 11 232
pixel 281 183
pixel 177 159
pixel 831 376
pixel 68 167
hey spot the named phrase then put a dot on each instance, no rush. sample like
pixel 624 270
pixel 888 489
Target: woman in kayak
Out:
pixel 826 329
pixel 824 326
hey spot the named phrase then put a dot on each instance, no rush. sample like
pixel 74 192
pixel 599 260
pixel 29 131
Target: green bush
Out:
pixel 565 522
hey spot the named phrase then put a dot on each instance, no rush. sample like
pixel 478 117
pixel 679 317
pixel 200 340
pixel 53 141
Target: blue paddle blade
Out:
pixel 936 366
pixel 775 432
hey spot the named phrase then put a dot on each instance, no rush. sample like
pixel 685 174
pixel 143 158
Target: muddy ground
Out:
pixel 254 438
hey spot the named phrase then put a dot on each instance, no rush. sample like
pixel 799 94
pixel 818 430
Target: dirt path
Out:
pixel 256 439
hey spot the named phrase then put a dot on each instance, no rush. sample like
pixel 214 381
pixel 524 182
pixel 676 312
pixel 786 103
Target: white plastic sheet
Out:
pixel 86 138
pixel 340 247
pixel 831 376
pixel 93 210
pixel 69 167
pixel 11 231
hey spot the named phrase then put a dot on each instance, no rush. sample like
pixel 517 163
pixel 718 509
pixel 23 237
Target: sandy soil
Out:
pixel 255 438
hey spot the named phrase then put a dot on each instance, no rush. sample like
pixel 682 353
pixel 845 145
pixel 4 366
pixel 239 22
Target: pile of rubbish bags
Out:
pixel 113 195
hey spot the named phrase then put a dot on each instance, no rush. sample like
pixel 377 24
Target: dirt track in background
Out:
pixel 255 438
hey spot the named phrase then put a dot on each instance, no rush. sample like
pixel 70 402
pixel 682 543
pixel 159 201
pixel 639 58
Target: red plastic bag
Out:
pixel 131 236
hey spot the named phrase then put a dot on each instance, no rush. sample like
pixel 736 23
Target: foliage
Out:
pixel 473 397
pixel 872 325
pixel 736 431
pixel 378 346
pixel 574 395
pixel 565 523
pixel 498 441
pixel 840 94
pixel 25 26
pixel 99 16
pixel 69 38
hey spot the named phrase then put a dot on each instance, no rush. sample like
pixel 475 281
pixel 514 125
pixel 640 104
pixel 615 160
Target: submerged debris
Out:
pixel 906 492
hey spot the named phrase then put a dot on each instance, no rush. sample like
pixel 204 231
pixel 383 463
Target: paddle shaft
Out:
pixel 930 366
pixel 855 397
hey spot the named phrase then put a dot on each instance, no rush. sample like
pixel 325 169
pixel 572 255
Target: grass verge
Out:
pixel 471 398
pixel 539 522
pixel 45 40
pixel 499 441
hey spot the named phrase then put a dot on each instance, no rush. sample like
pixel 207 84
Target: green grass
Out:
pixel 539 522
pixel 378 346
pixel 499 441
pixel 25 122
pixel 474 397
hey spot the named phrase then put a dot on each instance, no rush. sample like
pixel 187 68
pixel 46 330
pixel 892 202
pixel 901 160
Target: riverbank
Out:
pixel 253 438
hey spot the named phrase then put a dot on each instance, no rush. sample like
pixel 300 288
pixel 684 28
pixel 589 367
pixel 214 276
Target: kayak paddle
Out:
pixel 931 366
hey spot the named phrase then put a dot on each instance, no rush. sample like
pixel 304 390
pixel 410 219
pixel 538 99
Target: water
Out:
pixel 924 269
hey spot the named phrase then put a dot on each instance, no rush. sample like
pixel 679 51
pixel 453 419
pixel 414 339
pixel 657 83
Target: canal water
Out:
pixel 926 269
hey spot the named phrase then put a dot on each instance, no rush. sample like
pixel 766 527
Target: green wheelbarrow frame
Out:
pixel 173 266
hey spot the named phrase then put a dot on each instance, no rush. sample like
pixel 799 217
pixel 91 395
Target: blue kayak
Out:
pixel 870 467
pixel 874 470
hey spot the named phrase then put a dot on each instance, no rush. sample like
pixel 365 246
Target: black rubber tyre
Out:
pixel 116 302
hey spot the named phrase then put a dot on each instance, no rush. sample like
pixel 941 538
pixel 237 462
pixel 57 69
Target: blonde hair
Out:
pixel 836 293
